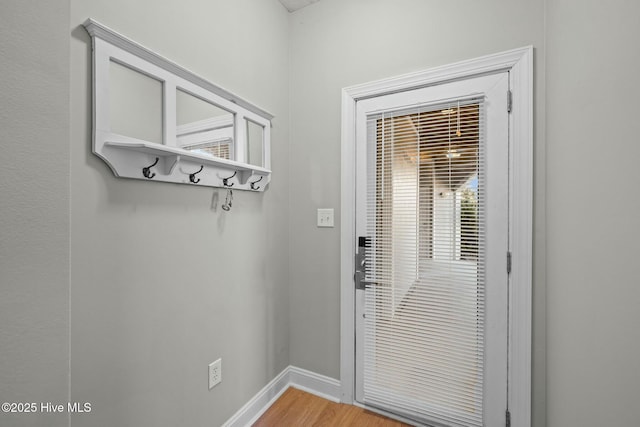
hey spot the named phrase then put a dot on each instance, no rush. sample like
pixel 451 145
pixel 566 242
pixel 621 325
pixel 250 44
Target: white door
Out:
pixel 432 237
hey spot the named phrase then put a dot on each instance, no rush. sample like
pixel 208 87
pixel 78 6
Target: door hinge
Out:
pixel 509 101
pixel 508 262
pixel 508 418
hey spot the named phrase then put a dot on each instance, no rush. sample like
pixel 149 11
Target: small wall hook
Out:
pixel 253 184
pixel 225 181
pixel 228 202
pixel 146 172
pixel 192 176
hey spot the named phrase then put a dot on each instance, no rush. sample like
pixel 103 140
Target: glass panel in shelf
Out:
pixel 203 127
pixel 255 143
pixel 135 104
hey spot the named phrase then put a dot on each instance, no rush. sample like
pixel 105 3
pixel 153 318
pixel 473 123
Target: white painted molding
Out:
pixel 495 63
pixel 347 246
pixel 519 63
pixel 96 29
pixel 291 376
pixel 521 240
pixel 320 385
pixel 255 407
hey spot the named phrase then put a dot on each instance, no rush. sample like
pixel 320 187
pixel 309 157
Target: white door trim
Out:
pixel 519 63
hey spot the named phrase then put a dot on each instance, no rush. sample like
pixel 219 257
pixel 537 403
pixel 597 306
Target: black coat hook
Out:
pixel 146 172
pixel 253 184
pixel 225 181
pixel 192 176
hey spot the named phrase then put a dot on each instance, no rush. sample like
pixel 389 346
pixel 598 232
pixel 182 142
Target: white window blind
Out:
pixel 424 303
pixel 216 149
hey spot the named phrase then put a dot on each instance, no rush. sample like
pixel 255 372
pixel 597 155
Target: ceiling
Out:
pixel 293 5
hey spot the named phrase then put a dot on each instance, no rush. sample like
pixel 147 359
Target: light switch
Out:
pixel 325 217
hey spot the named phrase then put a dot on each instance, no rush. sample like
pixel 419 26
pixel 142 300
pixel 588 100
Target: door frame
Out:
pixel 519 63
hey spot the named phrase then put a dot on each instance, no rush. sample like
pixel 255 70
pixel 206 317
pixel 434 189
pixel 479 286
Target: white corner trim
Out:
pixel 291 376
pixel 519 63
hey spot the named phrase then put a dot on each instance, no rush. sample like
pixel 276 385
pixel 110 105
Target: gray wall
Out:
pixel 338 43
pixel 593 304
pixel 161 283
pixel 34 207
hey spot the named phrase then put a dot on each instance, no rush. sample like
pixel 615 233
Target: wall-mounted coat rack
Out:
pixel 151 115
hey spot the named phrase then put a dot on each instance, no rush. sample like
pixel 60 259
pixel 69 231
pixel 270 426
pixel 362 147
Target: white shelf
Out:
pixel 185 155
pixel 129 157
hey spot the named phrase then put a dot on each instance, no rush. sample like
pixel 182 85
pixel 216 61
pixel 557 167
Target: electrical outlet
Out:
pixel 215 373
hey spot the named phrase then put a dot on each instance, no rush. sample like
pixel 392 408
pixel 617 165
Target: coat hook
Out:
pixel 225 180
pixel 228 201
pixel 192 176
pixel 147 171
pixel 253 184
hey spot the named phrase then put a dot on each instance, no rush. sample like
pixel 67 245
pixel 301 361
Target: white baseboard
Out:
pixel 325 387
pixel 255 407
pixel 291 376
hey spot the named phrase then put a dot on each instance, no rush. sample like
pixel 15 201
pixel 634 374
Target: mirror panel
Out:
pixel 255 143
pixel 203 127
pixel 135 104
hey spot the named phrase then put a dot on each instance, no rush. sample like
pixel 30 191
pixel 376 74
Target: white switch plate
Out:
pixel 215 373
pixel 325 217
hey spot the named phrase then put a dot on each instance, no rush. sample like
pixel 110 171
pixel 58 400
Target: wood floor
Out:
pixel 299 408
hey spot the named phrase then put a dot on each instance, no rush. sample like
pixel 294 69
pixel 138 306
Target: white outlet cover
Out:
pixel 215 373
pixel 325 217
